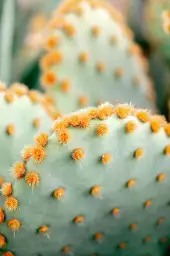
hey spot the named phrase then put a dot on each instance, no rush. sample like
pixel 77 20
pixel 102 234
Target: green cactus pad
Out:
pixel 156 33
pixel 98 186
pixel 22 114
pixel 91 58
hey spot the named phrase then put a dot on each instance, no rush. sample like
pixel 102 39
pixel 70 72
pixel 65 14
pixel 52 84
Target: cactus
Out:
pixel 92 58
pixel 159 39
pixel 99 185
pixel 23 114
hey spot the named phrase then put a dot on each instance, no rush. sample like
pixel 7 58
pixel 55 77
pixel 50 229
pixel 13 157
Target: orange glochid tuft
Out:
pixel 6 189
pixel 160 221
pixel 102 129
pixel 14 225
pixel 35 96
pixel 38 154
pixel 133 226
pixel 143 116
pixel 2 215
pixel 43 229
pixel 52 42
pixel 78 154
pixel 106 159
pixel 96 190
pixel 65 85
pixel 116 211
pixel 2 241
pixel 124 111
pixel 79 219
pixel 100 67
pixel 19 89
pixel 19 170
pixel 59 193
pixel 167 129
pixel 66 249
pixel 26 154
pixel 83 101
pixel 122 245
pixel 42 139
pixel 9 96
pixel 98 236
pixel 131 126
pixel 10 130
pixel 7 254
pixel 105 112
pixel 131 183
pixel 155 126
pixel 49 79
pixel 161 177
pixel 32 179
pixel 147 203
pixel 139 153
pixel 69 29
pixel 167 150
pixel 36 123
pixel 96 30
pixel 64 136
pixel 83 57
pixel 119 72
pixel 11 203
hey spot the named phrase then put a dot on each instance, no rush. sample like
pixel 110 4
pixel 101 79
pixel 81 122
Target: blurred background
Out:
pixel 23 21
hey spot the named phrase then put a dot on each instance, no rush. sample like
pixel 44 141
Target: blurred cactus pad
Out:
pixel 23 114
pixel 91 58
pixel 159 39
pixel 98 186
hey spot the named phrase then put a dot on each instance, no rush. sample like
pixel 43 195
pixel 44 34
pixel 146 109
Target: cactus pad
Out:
pixel 98 186
pixel 23 114
pixel 91 58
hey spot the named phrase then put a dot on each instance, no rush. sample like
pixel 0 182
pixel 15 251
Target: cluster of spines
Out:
pixel 82 120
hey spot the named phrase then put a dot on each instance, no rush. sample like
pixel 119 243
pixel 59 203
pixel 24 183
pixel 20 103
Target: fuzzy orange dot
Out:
pixel 2 180
pixel 18 170
pixel 2 87
pixel 69 29
pixel 59 193
pixel 84 121
pixel 106 159
pixel 79 219
pixel 19 89
pixel 100 67
pixel 123 111
pixel 131 183
pixel 155 126
pixel 161 177
pixel 66 249
pixel 7 254
pixel 26 154
pixel 131 126
pixel 143 116
pixel 83 57
pixel 147 203
pixel 32 178
pixel 93 113
pixel 96 31
pixel 49 79
pixel 2 241
pixel 167 150
pixel 102 129
pixel 147 239
pixel 139 153
pixel 122 245
pixel 38 154
pixel 96 191
pixel 2 215
pixel 105 112
pixel 6 189
pixel 43 229
pixel 35 96
pixel 64 136
pixel 160 221
pixel 133 226
pixel 36 122
pixel 113 39
pixel 14 225
pixel 9 96
pixel 10 130
pixel 167 129
pixel 65 85
pixel 119 72
pixel 163 240
pixel 11 203
pixel 116 211
pixel 42 139
pixel 78 154
pixel 83 101
pixel 52 42
pixel 98 236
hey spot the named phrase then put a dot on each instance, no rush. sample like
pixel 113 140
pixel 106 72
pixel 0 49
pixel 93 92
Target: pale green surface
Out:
pixel 84 78
pixel 59 170
pixel 21 114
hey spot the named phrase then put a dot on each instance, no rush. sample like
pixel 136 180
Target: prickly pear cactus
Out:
pixel 91 57
pixel 156 34
pixel 98 186
pixel 23 113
